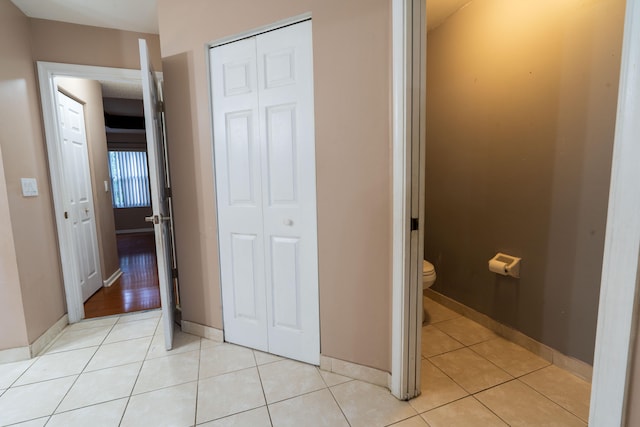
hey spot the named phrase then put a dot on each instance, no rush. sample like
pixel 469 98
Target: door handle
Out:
pixel 288 222
pixel 157 218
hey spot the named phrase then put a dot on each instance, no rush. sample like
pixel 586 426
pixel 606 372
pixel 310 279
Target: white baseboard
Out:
pixel 568 363
pixel 135 230
pixel 45 339
pixel 112 279
pixel 355 371
pixel 17 354
pixel 202 331
pixel 27 352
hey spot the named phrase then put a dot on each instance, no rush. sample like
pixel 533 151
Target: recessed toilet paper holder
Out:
pixel 505 265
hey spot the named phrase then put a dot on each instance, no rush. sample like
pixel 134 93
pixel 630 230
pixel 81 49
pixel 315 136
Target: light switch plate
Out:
pixel 29 187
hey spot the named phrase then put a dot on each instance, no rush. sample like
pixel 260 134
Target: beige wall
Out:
pixel 352 113
pixel 89 93
pixel 80 44
pixel 23 41
pixel 23 153
pixel 521 105
pixel 14 330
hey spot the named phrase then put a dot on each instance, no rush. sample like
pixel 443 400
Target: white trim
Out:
pixel 259 30
pixel 355 371
pixel 203 331
pixel 47 72
pixel 47 338
pixel 16 354
pixel 29 351
pixel 405 336
pixel 112 279
pixel 616 333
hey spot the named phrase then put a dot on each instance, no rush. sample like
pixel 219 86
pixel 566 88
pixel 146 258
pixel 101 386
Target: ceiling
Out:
pixel 130 15
pixel 142 15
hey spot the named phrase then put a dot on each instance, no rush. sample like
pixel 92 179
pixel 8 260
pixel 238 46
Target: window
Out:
pixel 129 179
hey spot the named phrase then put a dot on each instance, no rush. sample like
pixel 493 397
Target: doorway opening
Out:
pixel 113 172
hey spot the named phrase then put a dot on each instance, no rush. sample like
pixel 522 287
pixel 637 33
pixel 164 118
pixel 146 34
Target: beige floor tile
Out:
pixel 228 394
pixel 119 353
pixel 519 405
pixel 416 421
pixel 467 412
pixel 28 402
pixel 317 409
pixel 435 342
pixel 568 391
pixel 287 378
pixel 93 323
pixel 471 371
pixel 132 330
pixel 10 372
pixel 100 386
pixel 141 315
pixel 225 358
pixel 40 422
pixel 465 330
pixel 437 389
pixel 167 371
pixel 264 358
pixel 368 405
pixel 57 365
pixel 106 414
pixel 182 343
pixel 331 379
pixel 207 343
pixel 258 417
pixel 74 339
pixel 171 407
pixel 509 356
pixel 436 312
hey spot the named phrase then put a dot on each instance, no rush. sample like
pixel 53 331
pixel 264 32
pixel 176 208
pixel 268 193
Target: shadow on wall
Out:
pixel 182 145
pixel 521 102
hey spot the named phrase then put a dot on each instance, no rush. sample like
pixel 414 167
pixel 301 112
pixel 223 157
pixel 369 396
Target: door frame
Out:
pixel 47 72
pixel 616 329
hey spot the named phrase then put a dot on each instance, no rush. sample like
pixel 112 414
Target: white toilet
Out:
pixel 428 275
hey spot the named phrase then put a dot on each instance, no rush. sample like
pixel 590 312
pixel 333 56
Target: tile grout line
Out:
pixel 549 399
pixel 78 375
pixel 195 412
pixel 489 409
pixel 336 400
pixel 264 394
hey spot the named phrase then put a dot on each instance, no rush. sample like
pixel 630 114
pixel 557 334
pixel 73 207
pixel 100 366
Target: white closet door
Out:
pixel 81 216
pixel 239 194
pixel 266 192
pixel 285 78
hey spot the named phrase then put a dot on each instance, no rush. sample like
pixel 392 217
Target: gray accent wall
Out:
pixel 521 105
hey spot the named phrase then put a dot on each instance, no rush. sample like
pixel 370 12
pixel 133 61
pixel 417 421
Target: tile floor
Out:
pixel 115 372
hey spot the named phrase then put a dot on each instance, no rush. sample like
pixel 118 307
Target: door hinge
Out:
pixel 174 273
pixel 167 192
pixel 414 224
pixel 160 106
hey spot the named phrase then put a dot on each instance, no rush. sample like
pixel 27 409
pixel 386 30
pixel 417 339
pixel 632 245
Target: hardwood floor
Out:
pixel 137 289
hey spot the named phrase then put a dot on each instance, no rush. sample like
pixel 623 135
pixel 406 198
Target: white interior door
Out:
pixel 266 190
pixel 158 180
pixel 79 210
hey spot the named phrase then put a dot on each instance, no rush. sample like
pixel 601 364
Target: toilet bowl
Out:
pixel 428 275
